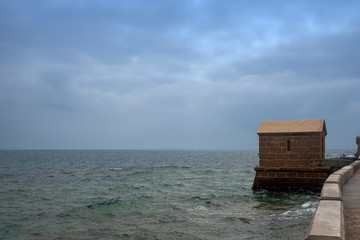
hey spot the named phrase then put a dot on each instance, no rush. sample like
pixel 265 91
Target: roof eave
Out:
pixel 259 133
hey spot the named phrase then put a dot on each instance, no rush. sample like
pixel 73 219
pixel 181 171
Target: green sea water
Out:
pixel 144 195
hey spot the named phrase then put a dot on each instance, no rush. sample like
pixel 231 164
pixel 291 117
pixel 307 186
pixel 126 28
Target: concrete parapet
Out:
pixel 350 170
pixel 328 221
pixel 335 178
pixel 344 173
pixel 356 165
pixel 331 191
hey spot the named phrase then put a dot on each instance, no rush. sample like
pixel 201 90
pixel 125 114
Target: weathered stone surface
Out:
pixel 335 178
pixel 350 195
pixel 331 191
pixel 286 178
pixel 344 174
pixel 328 221
pixel 352 223
pixel 356 165
pixel 292 152
pixel 288 184
pixel 351 201
pixel 350 170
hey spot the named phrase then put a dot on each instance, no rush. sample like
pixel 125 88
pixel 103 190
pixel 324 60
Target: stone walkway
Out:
pixel 351 201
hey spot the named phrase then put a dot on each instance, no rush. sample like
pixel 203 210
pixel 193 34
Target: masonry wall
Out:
pixel 284 179
pixel 291 150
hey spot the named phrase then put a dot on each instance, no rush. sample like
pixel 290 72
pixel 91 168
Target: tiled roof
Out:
pixel 292 126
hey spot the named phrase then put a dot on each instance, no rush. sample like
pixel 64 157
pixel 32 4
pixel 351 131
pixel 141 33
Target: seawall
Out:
pixel 328 219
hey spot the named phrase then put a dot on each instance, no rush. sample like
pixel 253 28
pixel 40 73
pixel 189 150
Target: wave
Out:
pixel 212 196
pixel 236 219
pixel 201 208
pixel 105 203
pixel 116 169
pixel 307 208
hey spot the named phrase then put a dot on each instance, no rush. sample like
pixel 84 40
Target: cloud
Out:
pixel 173 74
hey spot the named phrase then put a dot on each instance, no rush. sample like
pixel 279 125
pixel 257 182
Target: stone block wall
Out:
pixel 291 150
pixel 285 179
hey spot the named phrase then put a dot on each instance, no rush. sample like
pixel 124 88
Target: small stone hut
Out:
pixel 291 153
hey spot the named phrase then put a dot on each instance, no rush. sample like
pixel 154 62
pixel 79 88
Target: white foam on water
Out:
pixel 295 213
pixel 306 205
pixel 116 169
pixel 201 208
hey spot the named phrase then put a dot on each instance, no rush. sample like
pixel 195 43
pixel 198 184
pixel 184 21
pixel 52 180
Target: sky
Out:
pixel 175 74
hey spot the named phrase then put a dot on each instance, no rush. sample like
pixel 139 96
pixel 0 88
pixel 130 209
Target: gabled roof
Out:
pixel 293 126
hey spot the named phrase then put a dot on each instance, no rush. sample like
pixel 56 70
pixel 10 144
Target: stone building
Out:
pixel 291 153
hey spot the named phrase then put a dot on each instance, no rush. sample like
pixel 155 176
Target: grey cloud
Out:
pixel 173 74
pixel 332 56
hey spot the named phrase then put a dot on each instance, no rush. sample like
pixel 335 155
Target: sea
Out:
pixel 144 194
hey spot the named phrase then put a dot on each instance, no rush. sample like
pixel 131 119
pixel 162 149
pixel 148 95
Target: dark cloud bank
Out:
pixel 174 74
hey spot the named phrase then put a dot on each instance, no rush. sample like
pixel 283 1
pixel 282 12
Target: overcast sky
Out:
pixel 175 74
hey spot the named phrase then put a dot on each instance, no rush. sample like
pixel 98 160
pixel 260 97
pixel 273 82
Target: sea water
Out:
pixel 109 194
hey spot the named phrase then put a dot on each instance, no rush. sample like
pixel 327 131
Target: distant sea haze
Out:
pixel 91 194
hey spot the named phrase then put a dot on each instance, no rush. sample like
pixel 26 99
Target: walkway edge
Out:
pixel 328 220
